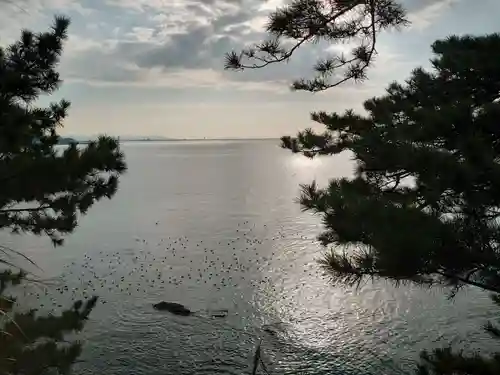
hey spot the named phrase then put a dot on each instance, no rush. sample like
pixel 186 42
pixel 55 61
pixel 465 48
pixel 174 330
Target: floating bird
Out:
pixel 259 258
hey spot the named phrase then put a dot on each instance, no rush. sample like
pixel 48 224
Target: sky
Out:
pixel 155 67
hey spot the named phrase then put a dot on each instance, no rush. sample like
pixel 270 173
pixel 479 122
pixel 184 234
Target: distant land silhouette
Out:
pixel 67 141
pixel 83 140
pixel 78 139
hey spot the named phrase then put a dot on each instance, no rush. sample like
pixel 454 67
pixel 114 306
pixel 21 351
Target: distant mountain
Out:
pixel 145 139
pixel 128 138
pixel 153 138
pixel 67 141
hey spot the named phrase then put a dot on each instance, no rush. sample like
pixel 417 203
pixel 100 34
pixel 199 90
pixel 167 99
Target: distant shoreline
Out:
pixel 67 141
pixel 199 139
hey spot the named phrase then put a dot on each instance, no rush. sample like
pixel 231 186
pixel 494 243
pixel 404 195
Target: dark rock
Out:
pixel 219 313
pixel 174 308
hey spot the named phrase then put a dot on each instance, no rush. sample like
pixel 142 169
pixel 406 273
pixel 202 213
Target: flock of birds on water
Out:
pixel 247 260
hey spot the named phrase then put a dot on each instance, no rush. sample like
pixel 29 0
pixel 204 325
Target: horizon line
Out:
pixel 157 138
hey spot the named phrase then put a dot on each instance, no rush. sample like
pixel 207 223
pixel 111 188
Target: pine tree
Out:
pixel 303 22
pixel 423 206
pixel 43 190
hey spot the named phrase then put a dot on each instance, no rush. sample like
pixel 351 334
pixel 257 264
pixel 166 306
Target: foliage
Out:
pixel 33 344
pixel 332 21
pixel 43 190
pixel 446 361
pixel 424 203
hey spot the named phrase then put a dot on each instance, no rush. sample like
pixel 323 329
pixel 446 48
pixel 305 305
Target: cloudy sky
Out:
pixel 155 67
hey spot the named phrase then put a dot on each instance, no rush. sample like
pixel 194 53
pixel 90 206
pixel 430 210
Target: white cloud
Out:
pixel 424 17
pixel 33 14
pixel 137 5
pixel 141 34
pixel 65 5
pixel 130 76
pixel 256 24
pixel 271 5
pixel 78 44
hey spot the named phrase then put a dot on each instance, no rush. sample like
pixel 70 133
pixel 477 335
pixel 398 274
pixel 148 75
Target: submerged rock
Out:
pixel 270 330
pixel 174 308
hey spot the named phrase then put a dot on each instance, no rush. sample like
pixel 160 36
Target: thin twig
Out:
pixel 14 322
pixel 263 366
pixel 256 358
pixel 5 249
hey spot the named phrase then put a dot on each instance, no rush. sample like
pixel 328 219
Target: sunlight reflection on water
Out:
pixel 213 225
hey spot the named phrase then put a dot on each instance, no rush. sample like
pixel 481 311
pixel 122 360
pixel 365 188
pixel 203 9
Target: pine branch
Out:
pixel 233 61
pixel 26 209
pixel 306 21
pixel 468 281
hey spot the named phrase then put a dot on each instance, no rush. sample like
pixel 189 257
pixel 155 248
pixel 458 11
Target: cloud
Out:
pixel 191 35
pixel 174 39
pixel 190 59
pixel 153 62
pixel 428 11
pixel 191 55
pixel 165 5
pixel 34 8
pixel 35 14
pixel 162 42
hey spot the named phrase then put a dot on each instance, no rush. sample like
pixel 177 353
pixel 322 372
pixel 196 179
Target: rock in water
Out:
pixel 174 308
pixel 219 313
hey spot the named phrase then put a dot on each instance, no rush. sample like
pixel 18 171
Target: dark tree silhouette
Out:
pixel 333 21
pixel 424 203
pixel 43 189
pixel 423 206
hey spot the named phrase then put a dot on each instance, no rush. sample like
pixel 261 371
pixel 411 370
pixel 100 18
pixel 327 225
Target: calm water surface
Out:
pixel 213 225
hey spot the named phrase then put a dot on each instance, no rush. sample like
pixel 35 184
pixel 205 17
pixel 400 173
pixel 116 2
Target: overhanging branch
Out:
pixel 469 282
pixel 290 52
pixel 27 209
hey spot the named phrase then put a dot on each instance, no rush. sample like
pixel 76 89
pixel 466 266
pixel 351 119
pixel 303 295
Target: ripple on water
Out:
pixel 194 238
pixel 261 280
